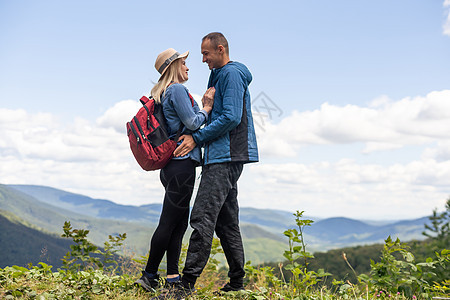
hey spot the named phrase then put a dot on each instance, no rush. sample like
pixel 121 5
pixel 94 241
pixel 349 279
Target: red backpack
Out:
pixel 148 136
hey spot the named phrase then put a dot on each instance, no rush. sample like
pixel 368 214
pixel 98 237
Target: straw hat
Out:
pixel 166 57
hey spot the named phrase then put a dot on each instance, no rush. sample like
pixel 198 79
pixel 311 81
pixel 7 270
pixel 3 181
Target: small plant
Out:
pixel 302 279
pixel 79 257
pixel 83 254
pixel 111 248
pixel 296 237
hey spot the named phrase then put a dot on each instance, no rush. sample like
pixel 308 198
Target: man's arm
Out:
pixel 233 103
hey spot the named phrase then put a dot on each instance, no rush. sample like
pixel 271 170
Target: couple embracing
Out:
pixel 229 141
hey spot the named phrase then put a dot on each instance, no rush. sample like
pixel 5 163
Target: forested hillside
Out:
pixel 22 245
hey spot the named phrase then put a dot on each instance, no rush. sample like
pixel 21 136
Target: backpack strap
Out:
pixel 192 99
pixel 144 100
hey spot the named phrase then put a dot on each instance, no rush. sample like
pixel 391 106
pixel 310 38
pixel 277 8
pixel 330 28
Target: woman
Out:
pixel 178 176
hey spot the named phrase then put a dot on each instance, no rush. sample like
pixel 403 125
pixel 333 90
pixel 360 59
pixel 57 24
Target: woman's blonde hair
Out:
pixel 171 75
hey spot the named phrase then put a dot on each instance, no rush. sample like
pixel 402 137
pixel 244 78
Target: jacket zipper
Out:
pixel 207 146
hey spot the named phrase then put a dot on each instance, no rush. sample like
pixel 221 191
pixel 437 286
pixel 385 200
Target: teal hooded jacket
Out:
pixel 229 135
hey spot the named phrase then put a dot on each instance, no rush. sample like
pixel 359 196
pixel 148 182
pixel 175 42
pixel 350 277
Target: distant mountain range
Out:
pixel 96 208
pixel 45 209
pixel 342 232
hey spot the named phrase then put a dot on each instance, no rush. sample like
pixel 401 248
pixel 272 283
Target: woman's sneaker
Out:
pixel 228 288
pixel 148 283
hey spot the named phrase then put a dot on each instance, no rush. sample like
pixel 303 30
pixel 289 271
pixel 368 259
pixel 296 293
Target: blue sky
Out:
pixel 361 92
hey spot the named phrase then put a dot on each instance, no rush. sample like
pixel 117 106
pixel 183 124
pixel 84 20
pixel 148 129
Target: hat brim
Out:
pixel 185 54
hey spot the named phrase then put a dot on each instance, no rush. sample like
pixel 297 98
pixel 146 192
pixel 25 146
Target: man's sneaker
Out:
pixel 147 283
pixel 176 292
pixel 171 285
pixel 228 288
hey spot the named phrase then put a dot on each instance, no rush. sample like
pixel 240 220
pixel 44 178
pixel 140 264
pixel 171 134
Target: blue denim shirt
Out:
pixel 178 109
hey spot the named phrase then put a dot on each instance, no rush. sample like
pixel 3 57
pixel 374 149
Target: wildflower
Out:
pixel 414 297
pixel 398 293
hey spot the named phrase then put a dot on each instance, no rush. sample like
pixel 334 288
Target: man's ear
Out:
pixel 221 49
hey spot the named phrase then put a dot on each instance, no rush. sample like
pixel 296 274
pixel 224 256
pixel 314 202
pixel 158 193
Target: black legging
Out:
pixel 178 178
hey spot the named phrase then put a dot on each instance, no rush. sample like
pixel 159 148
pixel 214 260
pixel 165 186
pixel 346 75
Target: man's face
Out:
pixel 211 56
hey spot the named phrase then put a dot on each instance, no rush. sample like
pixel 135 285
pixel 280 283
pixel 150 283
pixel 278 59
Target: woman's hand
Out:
pixel 208 99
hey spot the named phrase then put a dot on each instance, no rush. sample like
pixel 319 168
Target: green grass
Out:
pixel 36 283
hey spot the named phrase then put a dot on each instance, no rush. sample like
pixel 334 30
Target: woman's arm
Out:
pixel 183 107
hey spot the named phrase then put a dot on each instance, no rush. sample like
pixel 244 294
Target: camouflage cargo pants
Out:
pixel 216 209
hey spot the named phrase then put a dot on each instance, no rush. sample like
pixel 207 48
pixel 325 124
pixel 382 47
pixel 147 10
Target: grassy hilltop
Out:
pixel 401 271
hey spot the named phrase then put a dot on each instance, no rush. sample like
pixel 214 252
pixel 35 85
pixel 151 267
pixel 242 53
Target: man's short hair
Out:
pixel 217 39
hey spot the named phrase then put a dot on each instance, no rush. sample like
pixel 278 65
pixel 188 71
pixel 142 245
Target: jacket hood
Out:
pixel 243 71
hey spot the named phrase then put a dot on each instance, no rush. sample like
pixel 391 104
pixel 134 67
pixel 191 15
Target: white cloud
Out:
pixel 441 151
pixel 446 26
pixel 117 116
pixel 383 125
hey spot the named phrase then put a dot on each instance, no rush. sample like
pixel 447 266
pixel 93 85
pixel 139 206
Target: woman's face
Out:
pixel 183 71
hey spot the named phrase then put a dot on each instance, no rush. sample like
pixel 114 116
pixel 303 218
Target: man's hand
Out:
pixel 208 99
pixel 186 146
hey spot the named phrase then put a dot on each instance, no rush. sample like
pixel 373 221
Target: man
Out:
pixel 229 141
